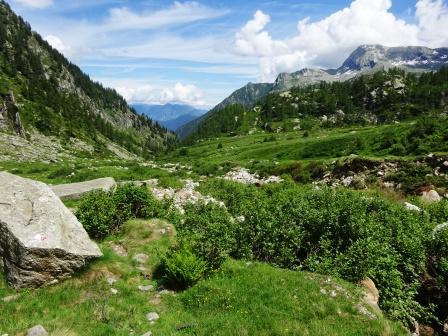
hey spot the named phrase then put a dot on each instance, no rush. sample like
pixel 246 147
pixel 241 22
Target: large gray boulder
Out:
pixel 41 241
pixel 77 190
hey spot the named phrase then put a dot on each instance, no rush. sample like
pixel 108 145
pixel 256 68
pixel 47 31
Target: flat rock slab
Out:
pixel 41 241
pixel 77 190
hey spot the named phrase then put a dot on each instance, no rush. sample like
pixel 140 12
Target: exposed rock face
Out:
pixel 9 115
pixel 41 241
pixel 77 190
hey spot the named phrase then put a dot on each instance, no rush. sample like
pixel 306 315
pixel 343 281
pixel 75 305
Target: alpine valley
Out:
pixel 313 205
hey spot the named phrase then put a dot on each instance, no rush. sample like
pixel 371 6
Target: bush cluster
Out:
pixel 103 213
pixel 339 232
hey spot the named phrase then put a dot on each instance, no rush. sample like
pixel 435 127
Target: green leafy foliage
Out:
pixel 182 268
pixel 97 213
pixel 208 229
pixel 103 213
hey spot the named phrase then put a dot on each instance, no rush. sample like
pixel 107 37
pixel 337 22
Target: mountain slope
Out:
pixel 365 60
pixel 42 93
pixel 246 96
pixel 171 116
pixel 386 96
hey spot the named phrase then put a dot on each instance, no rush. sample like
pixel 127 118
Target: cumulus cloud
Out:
pixel 35 3
pixel 148 94
pixel 328 42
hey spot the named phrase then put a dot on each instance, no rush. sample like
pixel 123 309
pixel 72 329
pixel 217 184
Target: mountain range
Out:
pixel 171 116
pixel 366 59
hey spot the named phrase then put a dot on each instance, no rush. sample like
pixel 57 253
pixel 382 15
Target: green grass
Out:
pixel 243 299
pixel 85 169
pixel 322 144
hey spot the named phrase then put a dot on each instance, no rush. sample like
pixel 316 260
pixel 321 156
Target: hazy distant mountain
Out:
pixel 364 60
pixel 172 116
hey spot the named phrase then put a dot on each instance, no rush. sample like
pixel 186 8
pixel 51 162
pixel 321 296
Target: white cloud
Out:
pixel 329 41
pixel 148 94
pixel 179 13
pixel 35 3
pixel 58 44
pixel 433 22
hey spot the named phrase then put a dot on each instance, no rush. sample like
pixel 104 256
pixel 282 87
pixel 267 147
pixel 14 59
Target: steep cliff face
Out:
pixel 41 91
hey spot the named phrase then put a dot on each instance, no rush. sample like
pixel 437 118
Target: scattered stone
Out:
pixel 37 331
pixel 183 196
pixel 431 196
pixel 114 291
pixel 111 280
pixel 346 181
pixel 119 250
pixel 141 258
pixel 242 175
pixel 364 311
pixel 145 288
pixel 147 333
pixel 11 298
pixel 41 241
pixel 151 317
pixel 372 295
pixel 412 207
pixel 77 190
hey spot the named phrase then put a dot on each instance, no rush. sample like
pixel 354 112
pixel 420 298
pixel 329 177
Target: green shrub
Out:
pixel 97 213
pixel 337 232
pixel 103 213
pixel 208 229
pixel 134 202
pixel 181 268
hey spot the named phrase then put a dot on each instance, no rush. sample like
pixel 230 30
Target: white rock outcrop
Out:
pixel 41 241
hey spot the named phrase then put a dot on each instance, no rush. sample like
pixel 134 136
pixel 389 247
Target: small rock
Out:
pixel 111 280
pixel 37 331
pixel 426 331
pixel 141 258
pixel 119 250
pixel 145 288
pixel 445 163
pixel 412 207
pixel 147 333
pixel 114 291
pixel 151 317
pixel 11 298
pixel 431 196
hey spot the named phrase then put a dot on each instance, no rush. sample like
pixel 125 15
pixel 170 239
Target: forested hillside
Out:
pixel 383 97
pixel 47 93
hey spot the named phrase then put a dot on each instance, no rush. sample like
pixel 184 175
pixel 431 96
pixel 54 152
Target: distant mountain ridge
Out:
pixel 364 60
pixel 172 116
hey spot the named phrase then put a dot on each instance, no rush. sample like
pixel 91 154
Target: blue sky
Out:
pixel 198 52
